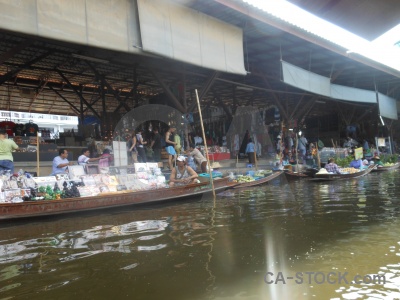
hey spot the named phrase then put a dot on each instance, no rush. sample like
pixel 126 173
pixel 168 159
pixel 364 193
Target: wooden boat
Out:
pixel 295 175
pixel 332 177
pixel 107 200
pixel 389 168
pixel 258 181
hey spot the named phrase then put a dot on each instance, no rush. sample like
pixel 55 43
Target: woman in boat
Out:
pixel 356 163
pixel 331 167
pixel 291 158
pixel 182 174
pixel 377 161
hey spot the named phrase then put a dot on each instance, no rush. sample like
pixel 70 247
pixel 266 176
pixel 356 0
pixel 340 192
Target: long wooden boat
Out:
pixel 258 181
pixel 333 177
pixel 295 175
pixel 389 168
pixel 109 200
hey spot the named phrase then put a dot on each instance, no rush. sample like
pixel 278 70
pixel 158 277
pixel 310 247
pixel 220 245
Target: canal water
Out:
pixel 284 240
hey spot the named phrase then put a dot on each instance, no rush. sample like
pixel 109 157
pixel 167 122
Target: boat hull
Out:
pixel 385 169
pixel 295 175
pixel 71 205
pixel 334 177
pixel 259 181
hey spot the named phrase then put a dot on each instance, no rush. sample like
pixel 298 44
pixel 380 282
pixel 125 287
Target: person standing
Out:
pixel 303 146
pixel 140 146
pixel 6 148
pixel 61 162
pixel 250 151
pixel 156 145
pixel 132 147
pixel 170 146
pixel 178 146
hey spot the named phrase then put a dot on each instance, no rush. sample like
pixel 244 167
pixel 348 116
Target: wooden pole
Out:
pixel 37 154
pixel 318 158
pixel 297 154
pixel 119 150
pixel 205 143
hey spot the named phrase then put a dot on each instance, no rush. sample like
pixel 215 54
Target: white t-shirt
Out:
pixel 83 160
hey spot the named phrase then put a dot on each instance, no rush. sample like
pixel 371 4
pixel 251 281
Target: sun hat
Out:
pixel 181 158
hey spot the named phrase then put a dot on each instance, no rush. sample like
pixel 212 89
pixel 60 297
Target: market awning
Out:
pixel 183 34
pixel 321 85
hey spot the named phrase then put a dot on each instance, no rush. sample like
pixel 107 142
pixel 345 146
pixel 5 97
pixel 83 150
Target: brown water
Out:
pixel 193 250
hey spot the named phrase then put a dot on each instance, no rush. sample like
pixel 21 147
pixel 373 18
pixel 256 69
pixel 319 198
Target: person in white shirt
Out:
pixel 85 158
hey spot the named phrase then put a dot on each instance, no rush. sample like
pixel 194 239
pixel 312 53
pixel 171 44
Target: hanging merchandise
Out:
pixel 19 129
pixel 31 129
pixel 9 126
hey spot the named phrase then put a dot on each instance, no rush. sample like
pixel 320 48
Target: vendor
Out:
pixel 356 163
pixel 182 174
pixel 61 163
pixel 198 157
pixel 331 167
pixel 85 158
pixel 377 161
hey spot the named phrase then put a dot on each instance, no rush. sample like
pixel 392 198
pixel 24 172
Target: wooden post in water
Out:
pixel 37 153
pixel 205 143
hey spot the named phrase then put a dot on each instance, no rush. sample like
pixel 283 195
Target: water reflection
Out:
pixel 193 250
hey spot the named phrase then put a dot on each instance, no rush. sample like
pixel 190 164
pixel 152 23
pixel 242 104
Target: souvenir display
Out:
pixel 80 182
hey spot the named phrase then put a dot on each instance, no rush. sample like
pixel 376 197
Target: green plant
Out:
pixel 343 162
pixel 389 158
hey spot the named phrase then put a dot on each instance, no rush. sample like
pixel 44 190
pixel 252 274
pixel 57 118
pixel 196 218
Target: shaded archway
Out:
pixel 150 112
